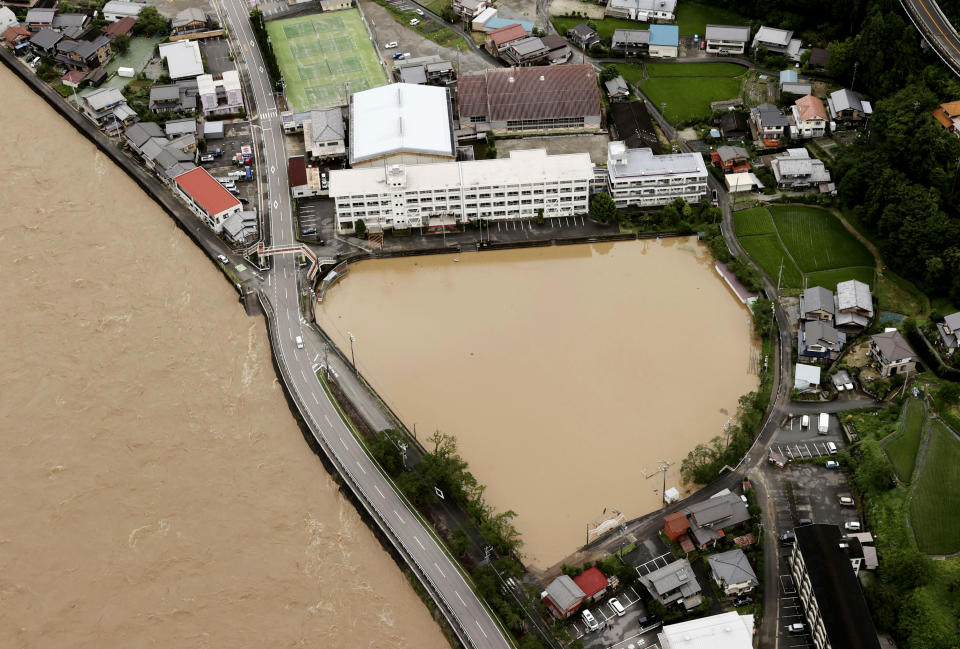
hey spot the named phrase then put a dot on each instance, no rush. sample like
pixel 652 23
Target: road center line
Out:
pixel 417 539
pixel 379 492
pixel 460 598
pixel 342 441
pixel 439 570
pixel 328 421
pixel 315 400
pixel 481 629
pixel 400 517
pixel 361 467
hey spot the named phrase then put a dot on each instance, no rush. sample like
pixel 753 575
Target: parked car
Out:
pixel 742 600
pixel 419 12
pixel 616 606
pixel 788 538
pixel 847 501
pixel 852 526
pixel 414 22
pixel 223 259
pixel 832 464
pixel 804 521
pixel 703 45
pixel 391 45
pixel 649 621
pixel 796 627
pixel 299 342
pixel 716 198
pixel 589 620
pixel 244 200
pixel 206 157
pixel 398 56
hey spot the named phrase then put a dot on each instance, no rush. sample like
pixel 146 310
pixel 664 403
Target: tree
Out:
pixel 150 23
pixel 459 542
pixel 121 43
pixel 948 394
pixel 762 317
pixel 602 208
pixel 360 229
pixel 609 72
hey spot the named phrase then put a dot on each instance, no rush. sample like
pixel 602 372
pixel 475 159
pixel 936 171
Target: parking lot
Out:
pixel 790 611
pixel 615 631
pixel 236 135
pixel 316 220
pixel 796 441
pixel 216 53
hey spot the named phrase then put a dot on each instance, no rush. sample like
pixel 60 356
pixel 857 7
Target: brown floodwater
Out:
pixel 156 491
pixel 566 373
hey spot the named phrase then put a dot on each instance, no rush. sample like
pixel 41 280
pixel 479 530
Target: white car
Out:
pixel 223 259
pixel 419 12
pixel 391 45
pixel 616 606
pixel 589 620
pixel 852 526
pixel 414 22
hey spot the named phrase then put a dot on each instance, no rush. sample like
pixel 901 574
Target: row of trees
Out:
pixel 266 49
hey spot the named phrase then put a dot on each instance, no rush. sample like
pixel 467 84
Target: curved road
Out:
pixel 463 609
pixel 936 29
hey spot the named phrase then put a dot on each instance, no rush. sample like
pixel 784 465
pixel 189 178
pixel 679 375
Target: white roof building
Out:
pixel 7 18
pixel 745 181
pixel 183 59
pixel 638 177
pixel 117 9
pixel 724 631
pixel 401 118
pixel 642 10
pixel 806 377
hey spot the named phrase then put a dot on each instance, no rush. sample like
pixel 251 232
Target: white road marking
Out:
pixel 315 398
pixel 400 517
pixel 481 629
pixel 328 421
pixel 304 374
pixel 379 492
pixel 342 441
pixel 361 467
pixel 417 539
pixel 460 598
pixel 439 570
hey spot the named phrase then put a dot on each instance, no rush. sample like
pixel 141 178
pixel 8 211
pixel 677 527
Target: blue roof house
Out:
pixel 664 41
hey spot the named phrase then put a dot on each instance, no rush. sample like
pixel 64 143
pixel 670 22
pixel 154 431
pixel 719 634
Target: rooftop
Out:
pixel 854 294
pixel 122 26
pixel 773 36
pixel 733 567
pixel 665 35
pixel 810 107
pixel 565 592
pixel 591 581
pixel 124 8
pixel 666 6
pixel 206 192
pixel 672 577
pixel 734 33
pixel 836 588
pixel 400 117
pixel 297 171
pixel 183 59
pixel 631 36
pixel 506 34
pixel 724 631
pixel 806 375
pixel 637 163
pixel 497 23
pixel 817 298
pixel 530 93
pixel 893 346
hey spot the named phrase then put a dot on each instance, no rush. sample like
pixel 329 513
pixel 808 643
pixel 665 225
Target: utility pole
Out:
pixel 856 64
pixel 353 359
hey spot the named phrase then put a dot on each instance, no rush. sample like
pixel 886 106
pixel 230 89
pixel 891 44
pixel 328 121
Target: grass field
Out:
pixel 753 221
pixel 688 88
pixel 694 18
pixel 605 27
pixel 319 53
pixel 902 449
pixel 824 251
pixel 817 239
pixel 936 495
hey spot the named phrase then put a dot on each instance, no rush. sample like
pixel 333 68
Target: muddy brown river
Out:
pixel 156 491
pixel 566 373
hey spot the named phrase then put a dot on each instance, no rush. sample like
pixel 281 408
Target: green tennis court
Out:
pixel 319 54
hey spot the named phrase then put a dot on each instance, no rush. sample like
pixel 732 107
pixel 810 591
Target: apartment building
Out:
pixel 442 194
pixel 640 178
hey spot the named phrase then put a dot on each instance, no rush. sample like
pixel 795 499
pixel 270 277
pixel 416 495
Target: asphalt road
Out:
pixel 936 29
pixel 463 609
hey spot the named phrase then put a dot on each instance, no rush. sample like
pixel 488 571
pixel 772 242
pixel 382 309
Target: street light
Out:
pixel 353 358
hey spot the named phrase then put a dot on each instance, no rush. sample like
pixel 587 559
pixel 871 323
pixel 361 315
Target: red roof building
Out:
pixel 73 78
pixel 122 26
pixel 499 38
pixel 675 525
pixel 207 198
pixel 297 171
pixel 16 37
pixel 592 582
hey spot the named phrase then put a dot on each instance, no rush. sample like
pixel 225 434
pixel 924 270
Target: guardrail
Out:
pixel 355 488
pixel 932 41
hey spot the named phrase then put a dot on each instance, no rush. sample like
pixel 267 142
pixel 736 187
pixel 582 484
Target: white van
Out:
pixel 589 620
pixel 823 424
pixel 832 448
pixel 852 526
pixel 299 342
pixel 846 501
pixel 805 422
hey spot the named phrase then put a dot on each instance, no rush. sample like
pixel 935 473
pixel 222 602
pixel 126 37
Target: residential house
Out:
pixel 304 181
pixel 726 39
pixel 183 59
pixel 524 52
pixel 796 170
pixel 795 88
pixel 583 37
pixel 38 19
pixel 212 130
pixel 206 198
pixel 642 10
pixel 324 134
pixel 809 117
pixel 854 306
pixel 122 26
pixel 630 123
pixel 220 96
pixel 664 41
pixel 431 70
pixel 73 78
pixel 676 526
pixel 632 42
pixel 178 127
pixel 21 4
pixel 84 55
pixel 563 597
pixel 114 10
pixel 335 5
pixel 107 108
pixel 17 38
pixel 948 330
pixel 778 41
pixel 495 23
pixel 539 99
pixel 817 303
pixel 847 108
pixel 497 40
pixel 734 125
pixel 724 631
pixel 836 612
pixel 788 76
pixel 675 583
pixel 771 125
pixel 806 378
pixel 469 9
pixel 188 21
pixel 732 159
pixel 70 25
pixel 710 517
pixel 241 228
pixel 742 182
pixel 137 135
pixel 617 88
pixel 558 50
pixel 593 583
pixel 7 19
pixel 948 115
pixel 44 42
pixel 892 353
pixel 638 177
pixel 179 97
pixel 168 159
pixel 478 22
pixel 732 572
pixel 820 339
pixel 819 58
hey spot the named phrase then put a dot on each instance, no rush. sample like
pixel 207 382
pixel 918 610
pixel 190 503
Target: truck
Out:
pixel 823 424
pixel 237 175
pixel 247 152
pixel 249 171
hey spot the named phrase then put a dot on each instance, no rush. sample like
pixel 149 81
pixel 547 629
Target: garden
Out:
pixel 686 89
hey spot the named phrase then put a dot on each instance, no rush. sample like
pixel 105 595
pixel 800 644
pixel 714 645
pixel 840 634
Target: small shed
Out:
pixel 806 377
pixel 213 130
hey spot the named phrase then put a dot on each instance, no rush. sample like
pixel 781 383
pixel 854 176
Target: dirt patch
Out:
pixel 575 8
pixel 859 357
pixel 595 145
pixel 522 9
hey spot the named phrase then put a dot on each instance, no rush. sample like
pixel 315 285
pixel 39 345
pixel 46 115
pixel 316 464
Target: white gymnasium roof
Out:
pixel 400 117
